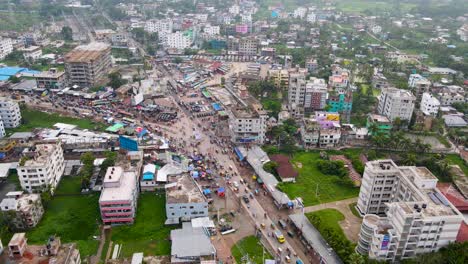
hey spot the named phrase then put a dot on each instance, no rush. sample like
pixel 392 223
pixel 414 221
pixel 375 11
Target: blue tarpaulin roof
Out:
pixel 4 77
pixel 148 176
pixel 217 107
pixel 143 132
pixel 10 71
pixel 206 191
pixel 195 174
pixel 239 154
pixel 221 189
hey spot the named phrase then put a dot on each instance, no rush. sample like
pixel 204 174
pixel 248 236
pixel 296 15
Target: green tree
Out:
pixel 14 79
pixel 115 80
pixel 67 33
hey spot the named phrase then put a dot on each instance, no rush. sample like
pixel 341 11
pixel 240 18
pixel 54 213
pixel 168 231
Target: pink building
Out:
pixel 242 29
pixel 118 201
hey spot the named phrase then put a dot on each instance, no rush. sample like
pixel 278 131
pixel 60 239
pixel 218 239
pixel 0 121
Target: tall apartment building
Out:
pixel 119 195
pixel 248 46
pixel 315 94
pixel 184 200
pixel 160 26
pixel 405 213
pixel 87 65
pixel 296 93
pixel 178 40
pixel 41 167
pixel 6 47
pixel 395 103
pixel 247 125
pixel 280 77
pixel 429 105
pixel 419 85
pixel 26 209
pixel 10 113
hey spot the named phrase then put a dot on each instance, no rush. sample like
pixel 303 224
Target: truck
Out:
pixel 279 236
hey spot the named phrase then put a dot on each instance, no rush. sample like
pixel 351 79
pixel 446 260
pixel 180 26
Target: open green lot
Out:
pixel 72 217
pixel 16 21
pixel 360 6
pixel 252 247
pixel 148 234
pixel 311 181
pixel 36 119
pixel 327 223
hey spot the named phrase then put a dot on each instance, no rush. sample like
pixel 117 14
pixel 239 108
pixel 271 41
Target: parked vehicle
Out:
pixel 279 236
pixel 282 224
pixel 246 199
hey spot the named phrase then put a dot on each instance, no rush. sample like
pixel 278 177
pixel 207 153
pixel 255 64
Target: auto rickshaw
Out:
pixel 262 225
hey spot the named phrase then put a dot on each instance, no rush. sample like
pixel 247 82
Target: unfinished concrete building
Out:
pixel 87 65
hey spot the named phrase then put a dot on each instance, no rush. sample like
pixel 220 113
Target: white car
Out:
pixel 235 184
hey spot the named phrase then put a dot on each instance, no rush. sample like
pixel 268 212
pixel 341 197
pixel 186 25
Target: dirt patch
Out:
pixel 298 165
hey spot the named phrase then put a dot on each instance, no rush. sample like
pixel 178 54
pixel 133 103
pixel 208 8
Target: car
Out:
pixel 246 199
pixel 235 184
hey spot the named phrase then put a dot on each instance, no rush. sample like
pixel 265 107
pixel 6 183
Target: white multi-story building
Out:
pixel 419 85
pixel 32 53
pixel 10 113
pixel 6 47
pixel 184 200
pixel 247 125
pixel 2 129
pixel 311 17
pixel 119 196
pixel 211 31
pixel 41 167
pixel 462 32
pixel 300 12
pixel 160 26
pixel 235 9
pixel 296 93
pixel 27 209
pixel 395 103
pixel 449 98
pixel 405 213
pixel 429 105
pixel 178 40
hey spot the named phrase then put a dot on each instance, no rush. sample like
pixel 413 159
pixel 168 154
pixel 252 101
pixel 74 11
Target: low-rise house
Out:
pixel 184 200
pixel 32 53
pixel 148 179
pixel 41 167
pixel 285 170
pixel 51 79
pixel 119 195
pixel 52 252
pixel 191 245
pixel 378 124
pixel 23 211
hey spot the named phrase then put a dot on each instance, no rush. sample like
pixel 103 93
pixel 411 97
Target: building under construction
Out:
pixel 87 65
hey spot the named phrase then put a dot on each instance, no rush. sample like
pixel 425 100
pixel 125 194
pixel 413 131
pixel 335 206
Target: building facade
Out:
pixel 119 196
pixel 247 126
pixel 10 113
pixel 41 167
pixel 52 79
pixel 380 122
pixel 178 40
pixel 248 46
pixel 184 200
pixel 87 65
pixel 429 105
pixel 24 211
pixel 6 47
pixel 396 103
pixel 405 213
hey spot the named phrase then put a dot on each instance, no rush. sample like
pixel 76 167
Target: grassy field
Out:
pixel 360 6
pixel 148 234
pixel 74 218
pixel 37 119
pixel 18 21
pixel 250 245
pixel 352 207
pixel 327 223
pixel 310 180
pixel 455 159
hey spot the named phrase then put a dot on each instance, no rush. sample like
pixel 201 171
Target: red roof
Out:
pixel 285 169
pixel 453 195
pixel 462 233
